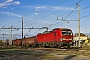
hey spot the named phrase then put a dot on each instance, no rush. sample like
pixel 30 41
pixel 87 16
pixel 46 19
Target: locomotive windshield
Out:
pixel 66 32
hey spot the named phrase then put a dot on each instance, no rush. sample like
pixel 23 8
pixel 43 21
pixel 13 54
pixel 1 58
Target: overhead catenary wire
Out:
pixel 61 9
pixel 70 12
pixel 43 17
pixel 84 16
pixel 52 13
pixel 19 23
pixel 46 19
pixel 49 14
pixel 47 10
pixel 74 9
pixel 45 2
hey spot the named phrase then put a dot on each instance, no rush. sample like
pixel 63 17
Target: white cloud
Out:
pixel 11 14
pixel 38 8
pixel 16 3
pixel 9 2
pixel 36 13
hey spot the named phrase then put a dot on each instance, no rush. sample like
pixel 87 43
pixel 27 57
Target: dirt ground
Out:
pixel 45 54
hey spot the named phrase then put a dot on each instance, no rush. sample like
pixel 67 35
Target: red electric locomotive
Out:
pixel 58 37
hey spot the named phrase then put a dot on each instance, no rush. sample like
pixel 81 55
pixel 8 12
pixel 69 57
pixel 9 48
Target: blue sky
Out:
pixel 43 13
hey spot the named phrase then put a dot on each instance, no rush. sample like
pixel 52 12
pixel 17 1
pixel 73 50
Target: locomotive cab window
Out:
pixel 66 33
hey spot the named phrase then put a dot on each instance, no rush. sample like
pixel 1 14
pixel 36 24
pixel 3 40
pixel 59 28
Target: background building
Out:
pixel 83 39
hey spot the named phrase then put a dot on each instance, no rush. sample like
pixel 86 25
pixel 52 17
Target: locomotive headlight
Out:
pixel 62 39
pixel 70 39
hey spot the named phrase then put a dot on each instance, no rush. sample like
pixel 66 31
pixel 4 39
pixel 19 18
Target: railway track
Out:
pixel 57 49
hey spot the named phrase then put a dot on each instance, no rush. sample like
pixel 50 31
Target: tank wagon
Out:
pixel 58 37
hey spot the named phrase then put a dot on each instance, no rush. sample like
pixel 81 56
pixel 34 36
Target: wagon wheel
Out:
pixel 59 46
pixel 39 46
pixel 50 45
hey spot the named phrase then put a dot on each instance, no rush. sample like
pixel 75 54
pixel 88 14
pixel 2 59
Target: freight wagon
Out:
pixel 58 37
pixel 17 42
pixel 30 41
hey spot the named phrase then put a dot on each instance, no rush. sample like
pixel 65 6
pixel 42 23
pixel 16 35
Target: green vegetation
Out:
pixel 89 39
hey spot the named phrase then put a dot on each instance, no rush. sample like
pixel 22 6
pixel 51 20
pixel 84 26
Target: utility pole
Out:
pixel 3 40
pixel 78 23
pixel 10 42
pixel 22 33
